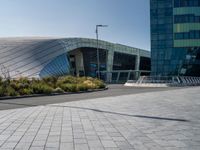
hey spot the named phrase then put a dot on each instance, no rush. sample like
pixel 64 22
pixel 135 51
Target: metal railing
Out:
pixel 121 76
pixel 169 80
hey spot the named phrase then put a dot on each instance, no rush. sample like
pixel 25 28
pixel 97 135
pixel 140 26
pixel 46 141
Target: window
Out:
pixel 186 3
pixel 123 61
pixel 188 18
pixel 185 35
pixel 179 36
pixel 195 34
pixel 90 60
pixel 192 34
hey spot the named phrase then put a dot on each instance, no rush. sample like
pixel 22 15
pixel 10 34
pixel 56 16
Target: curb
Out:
pixel 53 94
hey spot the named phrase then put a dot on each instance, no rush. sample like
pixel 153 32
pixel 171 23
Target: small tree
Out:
pixel 5 72
pixel 6 76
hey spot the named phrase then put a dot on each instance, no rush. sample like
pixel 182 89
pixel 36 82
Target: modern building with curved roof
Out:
pixel 43 57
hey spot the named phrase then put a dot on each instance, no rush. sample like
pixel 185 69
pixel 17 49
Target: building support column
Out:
pixel 129 74
pixel 137 66
pixel 109 67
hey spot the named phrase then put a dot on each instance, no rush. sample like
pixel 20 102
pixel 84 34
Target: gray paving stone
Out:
pixel 52 145
pixel 108 143
pixel 148 121
pixel 66 146
pixel 23 146
pixel 105 137
pixel 81 147
pixel 97 148
pixel 79 135
pixel 37 148
pixel 80 141
pixel 124 145
pixel 92 137
pixel 111 148
pixel 38 143
pixel 118 138
pixel 9 145
pixel 95 144
pixel 53 138
pixel 114 134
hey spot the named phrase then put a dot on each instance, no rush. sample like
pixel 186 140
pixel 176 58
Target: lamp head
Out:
pixel 100 25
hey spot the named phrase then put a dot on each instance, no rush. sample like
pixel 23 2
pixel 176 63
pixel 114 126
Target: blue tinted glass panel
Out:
pixel 60 66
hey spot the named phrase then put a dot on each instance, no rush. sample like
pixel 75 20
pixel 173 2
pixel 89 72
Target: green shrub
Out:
pixel 1 79
pixel 25 91
pixel 24 80
pixel 82 87
pixel 24 86
pixel 58 90
pixel 41 88
pixel 34 80
pixel 101 86
pixel 89 84
pixel 5 83
pixel 81 79
pixel 11 92
pixel 69 87
pixel 59 83
pixel 99 83
pixel 15 85
pixel 67 80
pixel 2 91
pixel 51 81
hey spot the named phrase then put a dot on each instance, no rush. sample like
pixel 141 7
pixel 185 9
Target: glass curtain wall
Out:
pixel 123 61
pixel 175 37
pixel 90 61
pixel 161 36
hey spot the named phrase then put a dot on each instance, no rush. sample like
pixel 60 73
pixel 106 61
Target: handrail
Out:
pixel 170 80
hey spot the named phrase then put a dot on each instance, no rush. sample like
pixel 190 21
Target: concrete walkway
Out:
pixel 113 90
pixel 166 120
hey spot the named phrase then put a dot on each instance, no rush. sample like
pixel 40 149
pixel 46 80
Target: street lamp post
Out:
pixel 97 36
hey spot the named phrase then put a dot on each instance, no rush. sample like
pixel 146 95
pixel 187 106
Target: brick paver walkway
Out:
pixel 149 121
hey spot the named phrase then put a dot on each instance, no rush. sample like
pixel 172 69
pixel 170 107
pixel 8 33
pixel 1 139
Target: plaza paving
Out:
pixel 164 120
pixel 113 90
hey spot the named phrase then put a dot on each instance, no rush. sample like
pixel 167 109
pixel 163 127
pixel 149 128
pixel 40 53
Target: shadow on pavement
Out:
pixel 103 111
pixel 122 114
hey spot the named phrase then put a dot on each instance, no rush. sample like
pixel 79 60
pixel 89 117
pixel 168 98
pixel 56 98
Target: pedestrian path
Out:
pixel 165 120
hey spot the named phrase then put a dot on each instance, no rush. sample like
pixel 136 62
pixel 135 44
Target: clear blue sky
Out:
pixel 128 20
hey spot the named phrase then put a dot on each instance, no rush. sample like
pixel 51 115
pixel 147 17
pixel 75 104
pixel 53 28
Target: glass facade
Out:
pixel 193 34
pixel 175 32
pixel 145 63
pixel 186 3
pixel 90 61
pixel 189 18
pixel 124 61
pixel 58 67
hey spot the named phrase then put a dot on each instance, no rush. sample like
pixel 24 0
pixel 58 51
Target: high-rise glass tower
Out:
pixel 175 37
